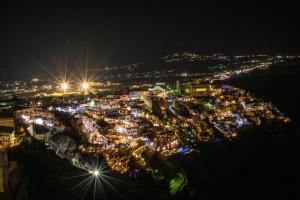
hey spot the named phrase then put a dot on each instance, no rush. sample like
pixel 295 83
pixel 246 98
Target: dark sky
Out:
pixel 118 33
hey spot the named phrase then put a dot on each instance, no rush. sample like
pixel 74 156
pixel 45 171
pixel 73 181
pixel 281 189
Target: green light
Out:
pixel 177 183
pixel 208 105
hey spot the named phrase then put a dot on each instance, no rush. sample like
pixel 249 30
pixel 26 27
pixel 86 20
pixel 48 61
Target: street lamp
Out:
pixel 95 172
pixel 65 86
pixel 85 87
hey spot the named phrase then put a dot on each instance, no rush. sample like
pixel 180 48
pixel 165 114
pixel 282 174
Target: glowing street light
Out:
pixel 85 86
pixel 65 86
pixel 98 178
pixel 95 172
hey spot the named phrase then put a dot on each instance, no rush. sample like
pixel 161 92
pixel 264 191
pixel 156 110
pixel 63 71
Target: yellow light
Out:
pixel 65 86
pixel 85 86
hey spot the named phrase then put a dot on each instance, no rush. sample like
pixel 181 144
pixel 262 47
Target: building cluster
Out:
pixel 123 127
pixel 124 124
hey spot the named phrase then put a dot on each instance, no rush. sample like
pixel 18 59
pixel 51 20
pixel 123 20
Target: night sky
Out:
pixel 121 33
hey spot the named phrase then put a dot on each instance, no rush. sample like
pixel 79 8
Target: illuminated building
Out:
pixel 198 90
pixel 35 80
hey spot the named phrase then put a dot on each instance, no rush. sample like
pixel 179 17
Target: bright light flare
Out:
pixel 95 172
pixel 85 86
pixel 98 179
pixel 65 86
